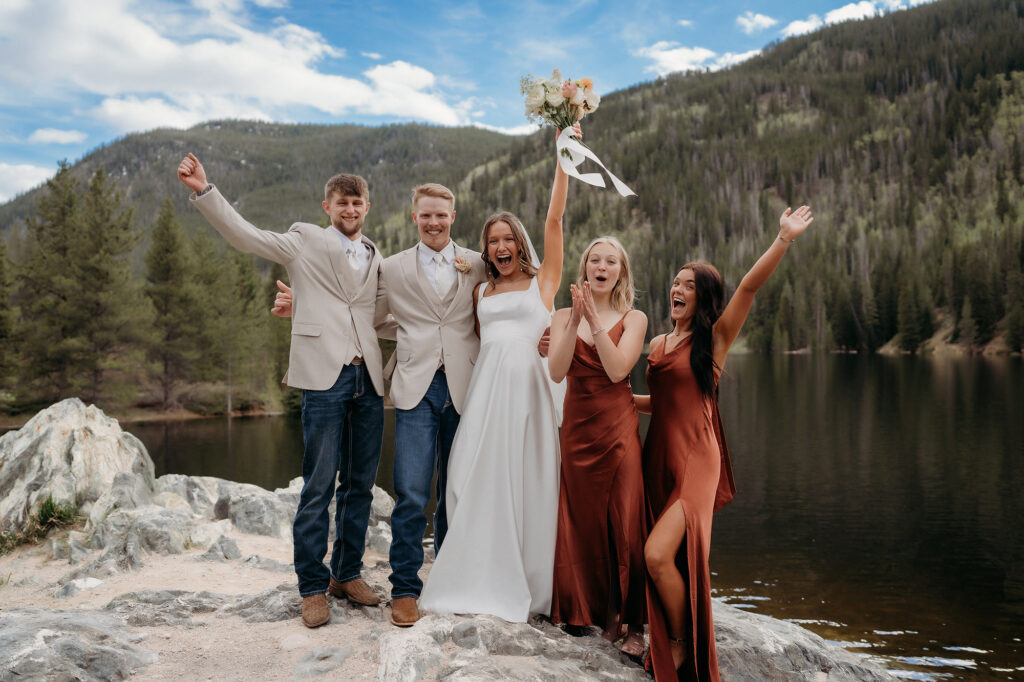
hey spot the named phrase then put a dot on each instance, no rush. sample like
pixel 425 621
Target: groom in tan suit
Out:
pixel 428 290
pixel 336 361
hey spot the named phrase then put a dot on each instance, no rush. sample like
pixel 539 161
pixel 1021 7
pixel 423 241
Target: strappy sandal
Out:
pixel 681 642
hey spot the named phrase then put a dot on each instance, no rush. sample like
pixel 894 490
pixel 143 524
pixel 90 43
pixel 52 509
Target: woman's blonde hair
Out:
pixel 623 293
pixel 518 234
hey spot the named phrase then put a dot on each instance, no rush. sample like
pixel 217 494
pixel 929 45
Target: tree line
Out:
pixel 193 330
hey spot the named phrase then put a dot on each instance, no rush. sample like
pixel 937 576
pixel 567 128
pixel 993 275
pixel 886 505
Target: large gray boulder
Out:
pixel 752 647
pixel 69 451
pixel 68 645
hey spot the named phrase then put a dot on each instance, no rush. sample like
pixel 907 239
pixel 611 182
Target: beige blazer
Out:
pixel 430 332
pixel 331 307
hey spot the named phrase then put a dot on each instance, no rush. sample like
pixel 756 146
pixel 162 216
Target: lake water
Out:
pixel 879 500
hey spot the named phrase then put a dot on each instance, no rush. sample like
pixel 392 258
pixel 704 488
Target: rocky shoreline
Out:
pixel 185 577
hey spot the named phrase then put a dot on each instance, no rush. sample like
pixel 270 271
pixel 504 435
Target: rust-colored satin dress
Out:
pixel 599 550
pixel 685 459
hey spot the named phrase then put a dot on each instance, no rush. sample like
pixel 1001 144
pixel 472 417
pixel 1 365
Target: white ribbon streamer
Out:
pixel 571 153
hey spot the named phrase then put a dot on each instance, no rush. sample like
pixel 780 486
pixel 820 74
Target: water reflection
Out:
pixel 878 500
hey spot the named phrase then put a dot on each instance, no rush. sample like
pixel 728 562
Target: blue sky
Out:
pixel 75 74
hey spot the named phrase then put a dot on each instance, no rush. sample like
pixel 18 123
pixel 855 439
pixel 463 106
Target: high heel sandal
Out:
pixel 682 642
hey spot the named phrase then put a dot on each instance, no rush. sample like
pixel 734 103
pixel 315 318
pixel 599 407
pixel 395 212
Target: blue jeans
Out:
pixel 342 431
pixel 423 439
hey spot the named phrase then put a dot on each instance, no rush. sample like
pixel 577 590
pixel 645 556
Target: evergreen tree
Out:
pixel 909 315
pixel 115 315
pixel 170 287
pixel 1015 311
pixel 49 327
pixel 968 328
pixel 210 281
pixel 6 345
pixel 279 330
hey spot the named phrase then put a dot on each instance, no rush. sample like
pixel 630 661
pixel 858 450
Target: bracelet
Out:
pixel 597 331
pixel 788 241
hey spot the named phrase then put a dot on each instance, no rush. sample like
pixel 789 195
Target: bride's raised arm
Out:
pixel 549 277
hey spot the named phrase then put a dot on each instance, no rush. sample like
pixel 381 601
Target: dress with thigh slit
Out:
pixel 599 570
pixel 686 460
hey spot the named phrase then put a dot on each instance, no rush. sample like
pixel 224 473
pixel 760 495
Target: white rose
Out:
pixel 556 77
pixel 593 99
pixel 579 97
pixel 535 98
pixel 554 97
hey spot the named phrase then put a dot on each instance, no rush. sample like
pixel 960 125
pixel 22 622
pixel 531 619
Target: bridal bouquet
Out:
pixel 563 103
pixel 556 102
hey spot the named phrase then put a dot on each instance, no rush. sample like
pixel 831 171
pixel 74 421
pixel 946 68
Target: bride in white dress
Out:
pixel 502 492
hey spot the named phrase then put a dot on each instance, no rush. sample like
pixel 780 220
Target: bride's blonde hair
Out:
pixel 623 293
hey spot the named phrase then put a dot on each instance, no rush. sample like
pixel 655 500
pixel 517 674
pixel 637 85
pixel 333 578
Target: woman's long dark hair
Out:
pixel 710 303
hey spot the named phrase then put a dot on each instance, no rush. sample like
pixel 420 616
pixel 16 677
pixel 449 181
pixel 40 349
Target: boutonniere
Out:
pixel 462 265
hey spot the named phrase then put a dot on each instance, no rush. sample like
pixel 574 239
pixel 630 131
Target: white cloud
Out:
pixel 55 136
pixel 855 10
pixel 669 57
pixel 852 11
pixel 17 178
pixel 731 59
pixel 686 23
pixel 376 56
pixel 525 129
pixel 148 77
pixel 801 26
pixel 750 22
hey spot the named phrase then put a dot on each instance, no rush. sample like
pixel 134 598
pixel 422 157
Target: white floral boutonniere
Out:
pixel 461 265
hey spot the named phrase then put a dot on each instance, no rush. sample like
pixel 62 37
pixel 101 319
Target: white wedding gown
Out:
pixel 502 494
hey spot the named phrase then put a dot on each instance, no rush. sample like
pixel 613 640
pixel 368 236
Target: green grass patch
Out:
pixel 51 514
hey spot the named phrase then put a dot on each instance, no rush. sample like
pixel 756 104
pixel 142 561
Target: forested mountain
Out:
pixel 275 173
pixel 904 132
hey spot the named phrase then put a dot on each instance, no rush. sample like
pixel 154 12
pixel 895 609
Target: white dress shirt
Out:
pixel 363 254
pixel 429 265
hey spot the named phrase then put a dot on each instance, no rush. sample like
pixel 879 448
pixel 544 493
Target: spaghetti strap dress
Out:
pixel 686 460
pixel 599 550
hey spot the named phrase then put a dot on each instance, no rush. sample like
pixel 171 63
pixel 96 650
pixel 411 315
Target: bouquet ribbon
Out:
pixel 571 153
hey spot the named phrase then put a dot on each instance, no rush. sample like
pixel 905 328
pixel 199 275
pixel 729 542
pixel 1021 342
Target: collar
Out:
pixel 426 254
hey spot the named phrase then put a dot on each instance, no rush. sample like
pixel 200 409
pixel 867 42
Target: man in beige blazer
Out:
pixel 336 361
pixel 428 290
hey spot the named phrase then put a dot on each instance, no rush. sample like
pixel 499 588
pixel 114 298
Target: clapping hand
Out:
pixel 792 223
pixel 589 307
pixel 283 300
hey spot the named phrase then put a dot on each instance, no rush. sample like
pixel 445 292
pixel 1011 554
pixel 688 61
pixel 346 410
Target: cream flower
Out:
pixel 578 97
pixel 593 100
pixel 554 97
pixel 535 98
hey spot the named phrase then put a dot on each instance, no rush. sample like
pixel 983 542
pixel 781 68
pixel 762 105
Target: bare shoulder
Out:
pixel 636 318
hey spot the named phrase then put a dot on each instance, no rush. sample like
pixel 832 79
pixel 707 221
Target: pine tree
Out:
pixel 116 316
pixel 210 277
pixel 1015 311
pixel 170 287
pixel 6 345
pixel 968 328
pixel 48 331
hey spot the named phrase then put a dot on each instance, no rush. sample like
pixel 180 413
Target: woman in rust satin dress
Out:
pixel 599 577
pixel 686 467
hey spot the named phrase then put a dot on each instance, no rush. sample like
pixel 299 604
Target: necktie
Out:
pixel 442 278
pixel 353 259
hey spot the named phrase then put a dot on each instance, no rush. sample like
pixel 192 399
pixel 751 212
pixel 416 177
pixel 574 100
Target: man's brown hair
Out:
pixel 347 185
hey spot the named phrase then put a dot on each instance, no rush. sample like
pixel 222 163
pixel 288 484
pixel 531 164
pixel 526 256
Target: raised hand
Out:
pixel 792 223
pixel 283 300
pixel 192 174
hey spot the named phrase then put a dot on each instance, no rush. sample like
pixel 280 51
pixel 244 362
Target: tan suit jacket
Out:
pixel 332 307
pixel 430 332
